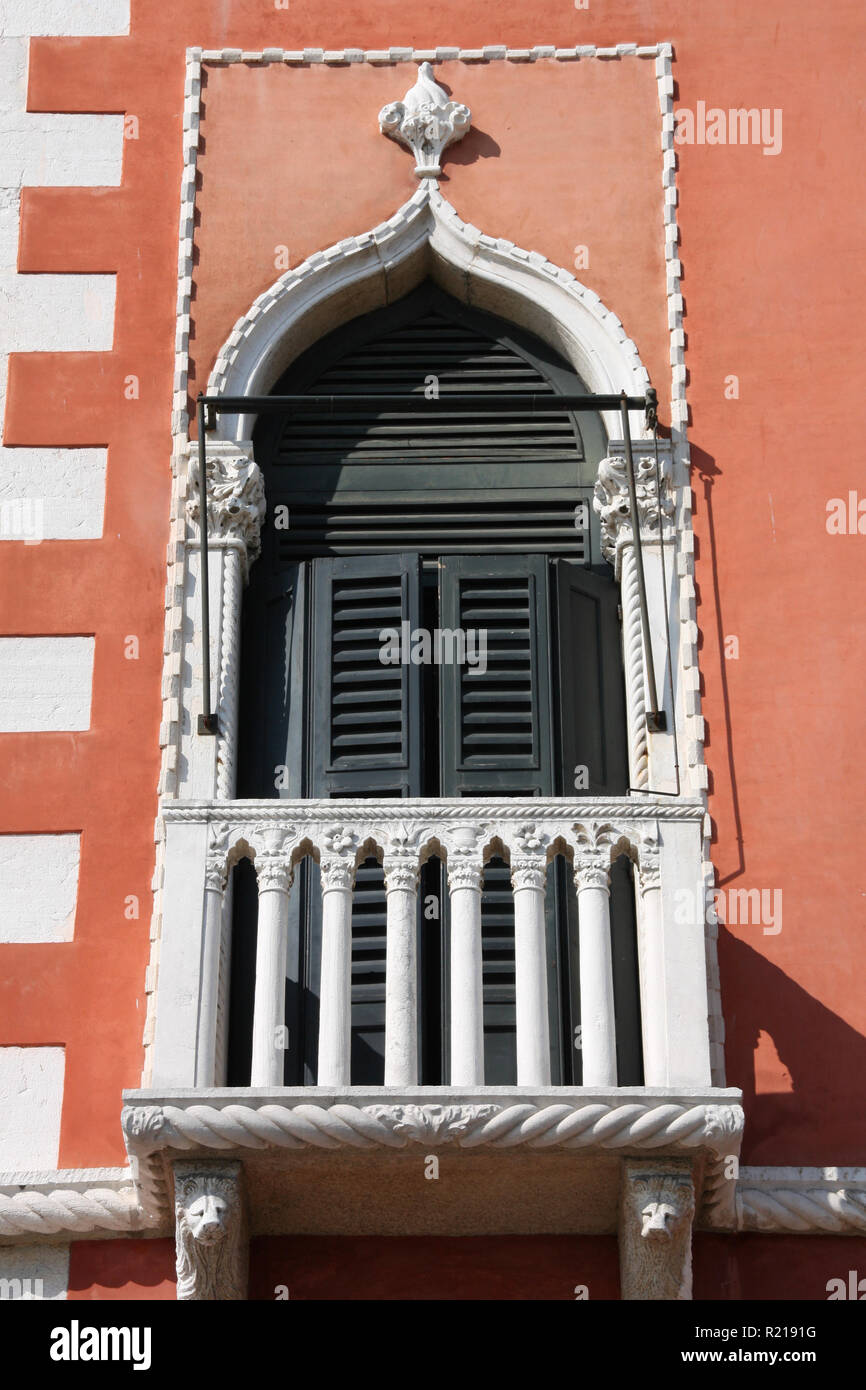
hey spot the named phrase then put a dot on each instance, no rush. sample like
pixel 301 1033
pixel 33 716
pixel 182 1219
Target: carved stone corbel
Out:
pixel 657 1207
pixel 210 1231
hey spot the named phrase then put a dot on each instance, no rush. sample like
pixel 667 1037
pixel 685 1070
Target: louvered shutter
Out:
pixel 272 694
pixel 366 717
pixel 496 723
pixel 591 683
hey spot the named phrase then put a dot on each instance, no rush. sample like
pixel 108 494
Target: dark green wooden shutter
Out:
pixel 496 725
pixel 366 717
pixel 273 691
pixel 591 683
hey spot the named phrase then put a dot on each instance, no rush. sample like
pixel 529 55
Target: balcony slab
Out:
pixel 432 1160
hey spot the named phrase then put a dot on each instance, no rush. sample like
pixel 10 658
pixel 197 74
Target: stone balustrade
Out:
pixel 205 839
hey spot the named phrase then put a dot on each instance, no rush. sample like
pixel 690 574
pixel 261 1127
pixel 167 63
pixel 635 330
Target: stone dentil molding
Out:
pixel 210 1231
pixel 425 121
pixel 655 1231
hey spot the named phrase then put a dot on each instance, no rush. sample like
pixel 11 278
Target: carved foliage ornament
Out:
pixel 611 502
pixel 426 121
pixel 236 497
pixel 432 1124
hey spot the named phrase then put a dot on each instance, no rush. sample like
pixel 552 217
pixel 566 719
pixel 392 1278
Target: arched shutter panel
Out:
pixel 591 686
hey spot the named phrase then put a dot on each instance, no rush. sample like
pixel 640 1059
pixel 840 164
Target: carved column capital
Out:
pixel 215 874
pixel 236 497
pixel 528 871
pixel 273 873
pixel 401 873
pixel 337 873
pixel 655 1232
pixel 649 865
pixel 465 871
pixel 426 121
pixel 611 503
pixel 592 870
pixel 210 1230
pixel 216 863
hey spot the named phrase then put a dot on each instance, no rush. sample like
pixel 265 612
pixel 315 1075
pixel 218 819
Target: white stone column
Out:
pixel 467 1005
pixel 650 754
pixel 597 1019
pixel 335 992
pixel 652 968
pixel 235 514
pixel 274 877
pixel 401 971
pixel 530 969
pixel 216 876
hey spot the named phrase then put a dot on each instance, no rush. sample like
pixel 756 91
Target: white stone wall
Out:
pixel 51 493
pixel 31 1095
pixel 34 1271
pixel 45 684
pixel 38 887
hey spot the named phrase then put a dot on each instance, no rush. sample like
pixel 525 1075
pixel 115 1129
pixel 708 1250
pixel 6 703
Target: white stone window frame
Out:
pixel 426 237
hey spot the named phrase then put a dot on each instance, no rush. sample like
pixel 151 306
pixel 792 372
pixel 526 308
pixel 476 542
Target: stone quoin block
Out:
pixel 31 1095
pixel 38 887
pixel 45 684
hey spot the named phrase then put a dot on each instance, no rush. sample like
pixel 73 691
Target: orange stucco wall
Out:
pixel 562 154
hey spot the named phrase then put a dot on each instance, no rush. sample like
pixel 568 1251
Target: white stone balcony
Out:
pixel 663 839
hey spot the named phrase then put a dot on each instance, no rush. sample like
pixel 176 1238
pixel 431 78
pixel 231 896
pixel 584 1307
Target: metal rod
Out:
pixel 532 403
pixel 655 719
pixel 207 720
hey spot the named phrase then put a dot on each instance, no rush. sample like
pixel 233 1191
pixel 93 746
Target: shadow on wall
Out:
pixel 122 1269
pixel 799 1064
pixel 818 1116
pixel 719 743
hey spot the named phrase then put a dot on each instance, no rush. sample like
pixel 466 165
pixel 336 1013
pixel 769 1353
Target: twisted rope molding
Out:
pixel 592 1125
pixel 839 1211
pixel 634 665
pixel 229 675
pixel 539 812
pixel 36 1213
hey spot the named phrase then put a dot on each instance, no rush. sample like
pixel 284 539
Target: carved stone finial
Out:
pixel 425 121
pixel 236 497
pixel 655 1230
pixel 611 503
pixel 210 1227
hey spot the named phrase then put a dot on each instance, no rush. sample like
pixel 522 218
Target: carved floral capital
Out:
pixel 611 503
pixel 592 870
pixel 236 496
pixel 426 121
